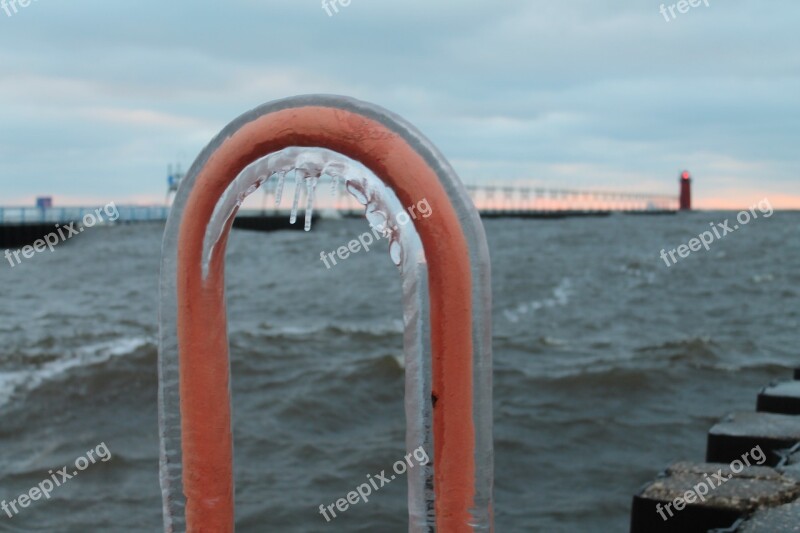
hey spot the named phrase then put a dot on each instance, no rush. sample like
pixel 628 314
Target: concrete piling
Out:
pixel 697 497
pixel 750 482
pixel 784 518
pixel 738 434
pixel 782 398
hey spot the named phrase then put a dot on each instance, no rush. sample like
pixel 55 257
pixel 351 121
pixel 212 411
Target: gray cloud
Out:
pixel 97 97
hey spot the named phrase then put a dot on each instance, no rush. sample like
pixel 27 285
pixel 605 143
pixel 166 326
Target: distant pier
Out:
pixel 20 226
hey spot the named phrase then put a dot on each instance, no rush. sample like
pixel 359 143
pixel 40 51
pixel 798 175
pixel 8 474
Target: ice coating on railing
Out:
pixel 307 166
pixel 383 212
pixel 198 192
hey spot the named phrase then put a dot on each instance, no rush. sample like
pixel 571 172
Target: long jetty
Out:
pixel 23 225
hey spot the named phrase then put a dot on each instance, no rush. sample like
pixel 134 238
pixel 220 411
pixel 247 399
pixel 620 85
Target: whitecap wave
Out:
pixel 17 382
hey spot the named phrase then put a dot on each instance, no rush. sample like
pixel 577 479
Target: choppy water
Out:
pixel 608 365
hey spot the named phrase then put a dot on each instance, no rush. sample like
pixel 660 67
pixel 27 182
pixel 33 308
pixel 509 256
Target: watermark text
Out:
pixel 374 484
pixel 64 232
pixel 56 479
pixel 712 482
pixel 683 6
pixel 718 231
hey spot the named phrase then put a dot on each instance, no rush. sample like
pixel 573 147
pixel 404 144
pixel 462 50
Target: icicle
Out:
pixel 296 201
pixel 279 188
pixel 311 185
pixel 335 169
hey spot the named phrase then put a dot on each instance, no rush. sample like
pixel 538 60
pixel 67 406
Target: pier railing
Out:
pixel 489 200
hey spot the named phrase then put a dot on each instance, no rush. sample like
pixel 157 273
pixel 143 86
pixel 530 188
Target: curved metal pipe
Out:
pixel 195 413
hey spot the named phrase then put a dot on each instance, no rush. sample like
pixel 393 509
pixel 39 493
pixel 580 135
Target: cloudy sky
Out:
pixel 98 96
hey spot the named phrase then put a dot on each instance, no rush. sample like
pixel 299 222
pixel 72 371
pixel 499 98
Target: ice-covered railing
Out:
pixel 387 165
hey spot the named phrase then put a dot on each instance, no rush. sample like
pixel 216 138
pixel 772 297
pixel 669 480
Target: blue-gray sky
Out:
pixel 97 97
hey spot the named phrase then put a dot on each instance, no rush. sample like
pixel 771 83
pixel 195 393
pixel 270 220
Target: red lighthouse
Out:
pixel 686 191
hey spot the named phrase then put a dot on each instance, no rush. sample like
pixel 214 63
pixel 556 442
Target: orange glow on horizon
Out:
pixel 734 201
pixel 744 201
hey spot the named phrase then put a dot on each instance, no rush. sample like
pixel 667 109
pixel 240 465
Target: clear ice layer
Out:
pixel 306 167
